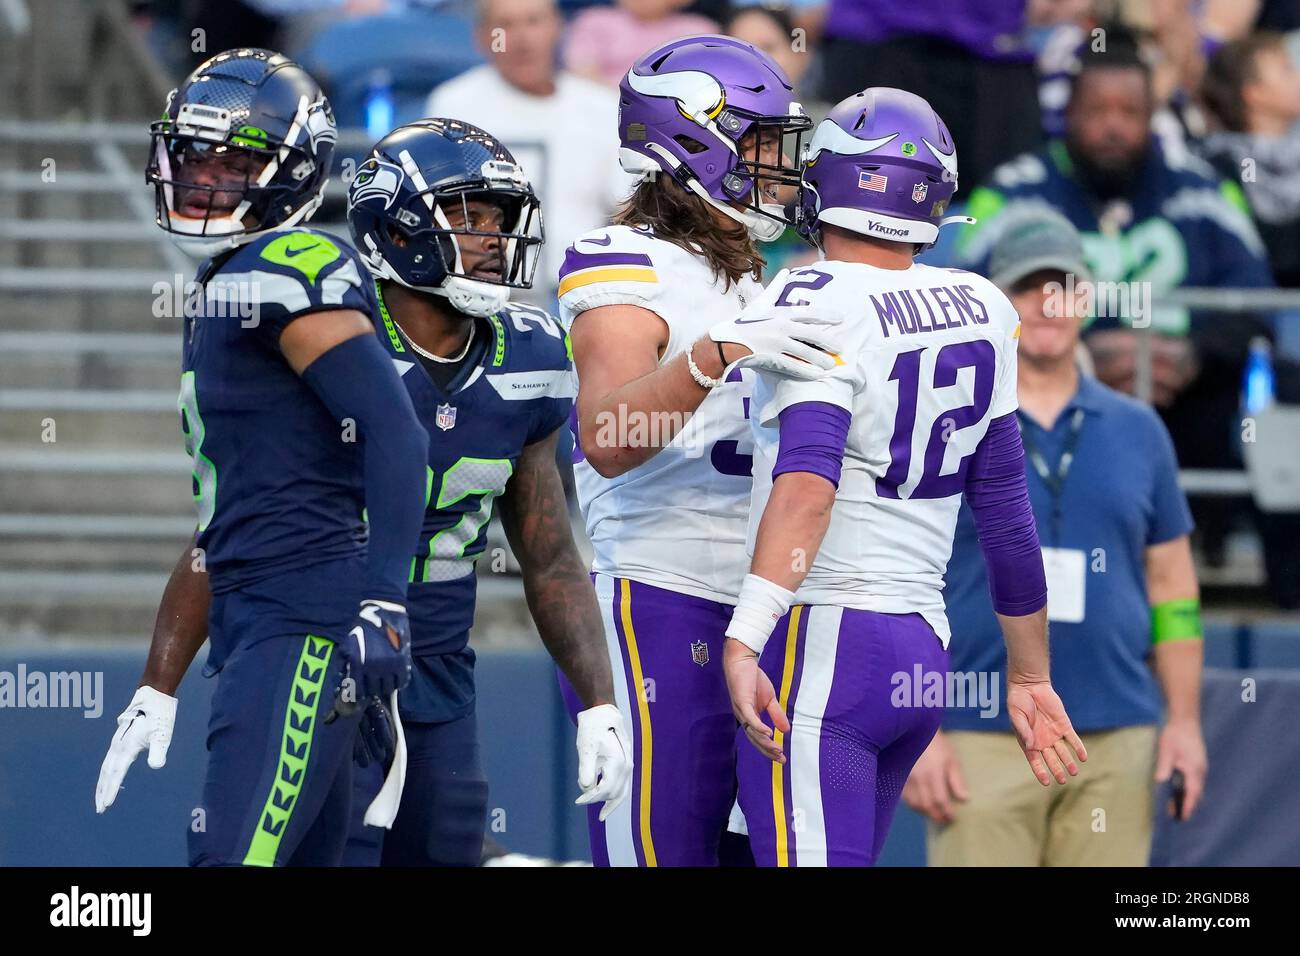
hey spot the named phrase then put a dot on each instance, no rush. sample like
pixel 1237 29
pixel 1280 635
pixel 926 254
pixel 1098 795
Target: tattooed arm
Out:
pixel 559 592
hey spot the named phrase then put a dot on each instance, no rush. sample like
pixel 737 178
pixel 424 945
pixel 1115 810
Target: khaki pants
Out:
pixel 1102 817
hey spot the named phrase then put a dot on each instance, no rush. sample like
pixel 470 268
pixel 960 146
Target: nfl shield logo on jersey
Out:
pixel 919 191
pixel 445 417
pixel 700 653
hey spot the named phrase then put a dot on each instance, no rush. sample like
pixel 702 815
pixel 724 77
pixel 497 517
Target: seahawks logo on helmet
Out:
pixel 376 178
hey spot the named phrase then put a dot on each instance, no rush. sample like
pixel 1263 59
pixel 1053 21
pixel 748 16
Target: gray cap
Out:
pixel 1033 239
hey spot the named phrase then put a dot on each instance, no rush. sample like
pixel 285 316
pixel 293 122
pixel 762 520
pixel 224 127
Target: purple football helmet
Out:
pixel 684 108
pixel 881 164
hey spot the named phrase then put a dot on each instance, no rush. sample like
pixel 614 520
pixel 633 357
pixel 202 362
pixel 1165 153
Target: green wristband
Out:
pixel 1177 620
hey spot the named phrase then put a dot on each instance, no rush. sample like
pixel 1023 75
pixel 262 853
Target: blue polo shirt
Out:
pixel 1119 497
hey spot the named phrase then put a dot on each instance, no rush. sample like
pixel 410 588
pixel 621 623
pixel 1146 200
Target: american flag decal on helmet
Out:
pixel 873 181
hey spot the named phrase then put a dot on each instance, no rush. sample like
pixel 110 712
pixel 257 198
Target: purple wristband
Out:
pixel 813 436
pixel 999 501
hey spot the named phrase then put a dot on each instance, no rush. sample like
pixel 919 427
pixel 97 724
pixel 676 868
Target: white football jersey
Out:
pixel 931 361
pixel 678 520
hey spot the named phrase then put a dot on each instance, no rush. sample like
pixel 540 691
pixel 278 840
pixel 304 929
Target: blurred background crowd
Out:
pixel 1166 131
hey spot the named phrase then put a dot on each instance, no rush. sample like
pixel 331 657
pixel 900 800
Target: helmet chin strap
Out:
pixel 473 297
pixel 761 228
pixel 214 244
pixel 468 296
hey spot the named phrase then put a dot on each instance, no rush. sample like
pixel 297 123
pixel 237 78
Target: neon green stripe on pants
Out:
pixel 295 750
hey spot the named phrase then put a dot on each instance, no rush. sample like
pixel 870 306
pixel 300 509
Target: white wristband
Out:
pixel 701 379
pixel 760 605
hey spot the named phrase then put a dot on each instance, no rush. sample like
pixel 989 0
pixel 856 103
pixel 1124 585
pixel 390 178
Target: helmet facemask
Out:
pixel 487 237
pixel 767 189
pixel 217 185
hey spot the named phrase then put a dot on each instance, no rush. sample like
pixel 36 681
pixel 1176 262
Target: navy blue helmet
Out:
pixel 244 146
pixel 429 182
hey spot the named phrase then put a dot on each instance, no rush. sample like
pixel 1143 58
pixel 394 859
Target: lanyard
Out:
pixel 1055 482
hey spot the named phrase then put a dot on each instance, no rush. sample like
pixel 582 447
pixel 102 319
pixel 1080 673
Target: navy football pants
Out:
pixel 444 803
pixel 278 790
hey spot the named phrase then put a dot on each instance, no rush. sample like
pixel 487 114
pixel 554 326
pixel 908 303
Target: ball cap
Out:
pixel 1032 240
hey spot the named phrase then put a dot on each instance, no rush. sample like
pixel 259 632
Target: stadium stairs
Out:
pixel 94 489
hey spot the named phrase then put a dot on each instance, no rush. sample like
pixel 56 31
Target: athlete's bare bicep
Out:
pixel 614 345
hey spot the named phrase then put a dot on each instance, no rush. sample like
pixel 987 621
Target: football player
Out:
pixel 857 482
pixel 448 225
pixel 296 420
pixel 662 460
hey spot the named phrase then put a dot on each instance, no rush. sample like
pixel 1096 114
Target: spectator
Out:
pixel 967 57
pixel 1122 595
pixel 772 30
pixel 560 127
pixel 1150 223
pixel 1253 88
pixel 604 42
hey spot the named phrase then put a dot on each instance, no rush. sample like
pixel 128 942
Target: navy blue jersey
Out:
pixel 518 392
pixel 277 480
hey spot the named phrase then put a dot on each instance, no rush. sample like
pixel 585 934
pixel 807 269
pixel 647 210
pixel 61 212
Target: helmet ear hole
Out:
pixel 689 143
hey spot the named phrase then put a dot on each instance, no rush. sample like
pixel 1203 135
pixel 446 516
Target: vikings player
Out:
pixel 296 422
pixel 662 458
pixel 857 482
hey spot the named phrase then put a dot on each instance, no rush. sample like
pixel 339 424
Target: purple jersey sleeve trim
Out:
pixel 999 501
pixel 813 436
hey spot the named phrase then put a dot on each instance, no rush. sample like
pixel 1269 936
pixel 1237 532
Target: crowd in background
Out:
pixel 1166 131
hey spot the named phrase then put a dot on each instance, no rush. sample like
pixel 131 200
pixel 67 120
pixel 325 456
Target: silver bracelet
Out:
pixel 701 379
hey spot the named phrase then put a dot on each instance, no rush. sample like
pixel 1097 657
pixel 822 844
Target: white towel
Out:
pixel 383 809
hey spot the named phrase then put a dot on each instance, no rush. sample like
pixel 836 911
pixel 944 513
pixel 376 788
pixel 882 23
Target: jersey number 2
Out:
pixel 451 551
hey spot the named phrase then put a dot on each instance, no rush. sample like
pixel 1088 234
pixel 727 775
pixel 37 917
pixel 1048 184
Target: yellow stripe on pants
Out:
pixel 778 770
pixel 643 707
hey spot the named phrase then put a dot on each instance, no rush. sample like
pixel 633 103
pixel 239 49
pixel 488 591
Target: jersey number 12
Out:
pixel 980 356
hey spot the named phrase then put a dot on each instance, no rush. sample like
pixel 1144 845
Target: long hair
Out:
pixel 685 220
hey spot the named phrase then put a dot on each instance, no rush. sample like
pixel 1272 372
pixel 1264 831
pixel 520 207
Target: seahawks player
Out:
pixel 448 225
pixel 296 421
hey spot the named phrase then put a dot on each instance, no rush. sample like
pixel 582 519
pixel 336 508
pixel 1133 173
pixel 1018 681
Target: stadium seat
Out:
pixel 412 52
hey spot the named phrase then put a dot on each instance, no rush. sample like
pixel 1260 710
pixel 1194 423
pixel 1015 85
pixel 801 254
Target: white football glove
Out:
pixel 147 722
pixel 800 341
pixel 604 753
